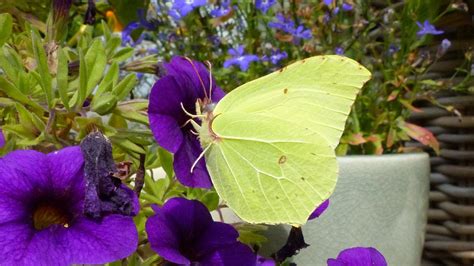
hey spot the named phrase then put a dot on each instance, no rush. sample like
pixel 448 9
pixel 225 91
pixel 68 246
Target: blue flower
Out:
pixel 239 58
pixel 222 10
pixel 275 57
pixel 339 50
pixel 443 48
pixel 427 28
pixel 392 49
pixel 181 8
pixel 302 33
pixel 127 32
pixel 283 24
pixel 346 7
pixel 264 5
pixel 358 256
pixel 327 2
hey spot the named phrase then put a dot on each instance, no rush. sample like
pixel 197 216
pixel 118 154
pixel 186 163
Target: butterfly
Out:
pixel 270 144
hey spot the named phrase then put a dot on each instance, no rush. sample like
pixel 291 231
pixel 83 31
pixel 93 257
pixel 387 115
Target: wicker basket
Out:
pixel 450 232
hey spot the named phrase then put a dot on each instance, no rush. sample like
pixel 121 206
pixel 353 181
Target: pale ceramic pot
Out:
pixel 379 201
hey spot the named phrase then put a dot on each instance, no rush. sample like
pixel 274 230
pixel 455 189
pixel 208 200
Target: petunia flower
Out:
pixel 319 210
pixel 358 256
pixel 426 28
pixel 181 8
pixel 264 5
pixel 171 97
pixel 221 10
pixel 240 59
pixel 262 261
pixel 41 214
pixel 182 232
pixel 2 139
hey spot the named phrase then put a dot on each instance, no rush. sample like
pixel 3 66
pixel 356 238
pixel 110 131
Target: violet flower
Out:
pixel 127 34
pixel 282 23
pixel 41 213
pixel 275 57
pixel 301 33
pixel 339 50
pixel 327 2
pixel 346 7
pixel 181 8
pixel 262 261
pixel 426 28
pixel 358 256
pixel 319 210
pixel 221 10
pixel 185 83
pixel 240 59
pixel 182 232
pixel 264 5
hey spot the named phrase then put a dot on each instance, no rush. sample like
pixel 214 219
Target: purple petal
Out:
pixel 14 239
pixel 217 235
pixel 233 255
pixel 358 256
pixel 184 159
pixel 319 210
pixel 262 261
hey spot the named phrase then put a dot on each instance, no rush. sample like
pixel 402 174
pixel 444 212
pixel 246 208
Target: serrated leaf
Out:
pixel 6 23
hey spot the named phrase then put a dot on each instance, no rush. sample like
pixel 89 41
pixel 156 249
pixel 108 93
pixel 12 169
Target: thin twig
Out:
pixel 140 175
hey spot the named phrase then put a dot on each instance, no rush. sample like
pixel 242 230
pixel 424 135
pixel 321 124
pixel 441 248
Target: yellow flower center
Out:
pixel 46 215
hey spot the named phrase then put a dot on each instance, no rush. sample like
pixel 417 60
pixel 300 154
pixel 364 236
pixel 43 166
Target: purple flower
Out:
pixel 127 34
pixel 327 2
pixel 302 33
pixel 283 24
pixel 326 17
pixel 336 10
pixel 443 48
pixel 358 256
pixel 41 213
pixel 185 83
pixel 262 261
pixel 181 8
pixel 392 49
pixel 275 57
pixel 239 58
pixel 427 28
pixel 339 50
pixel 264 5
pixel 346 7
pixel 2 139
pixel 222 10
pixel 183 232
pixel 319 210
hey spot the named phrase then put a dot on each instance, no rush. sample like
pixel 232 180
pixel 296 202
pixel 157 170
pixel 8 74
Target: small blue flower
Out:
pixel 339 50
pixel 327 2
pixel 427 28
pixel 239 58
pixel 275 57
pixel 181 8
pixel 346 7
pixel 326 17
pixel 392 49
pixel 264 5
pixel 302 33
pixel 336 10
pixel 284 24
pixel 126 34
pixel 221 10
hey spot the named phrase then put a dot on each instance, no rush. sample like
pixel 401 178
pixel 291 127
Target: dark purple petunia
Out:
pixel 264 5
pixel 184 83
pixel 319 210
pixel 41 213
pixel 427 29
pixel 183 232
pixel 2 139
pixel 358 256
pixel 240 58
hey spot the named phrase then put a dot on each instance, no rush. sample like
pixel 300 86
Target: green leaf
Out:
pixel 125 86
pixel 13 92
pixel 45 78
pixel 123 54
pixel 108 81
pixel 105 103
pixel 6 23
pixel 95 61
pixel 62 78
pixel 166 160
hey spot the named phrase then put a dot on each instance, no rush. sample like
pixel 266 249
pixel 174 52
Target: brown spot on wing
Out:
pixel 285 91
pixel 282 159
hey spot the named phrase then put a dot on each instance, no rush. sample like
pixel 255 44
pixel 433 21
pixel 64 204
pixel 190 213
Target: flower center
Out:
pixel 46 215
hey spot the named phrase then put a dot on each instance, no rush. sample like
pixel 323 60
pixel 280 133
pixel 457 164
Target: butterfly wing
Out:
pixel 274 161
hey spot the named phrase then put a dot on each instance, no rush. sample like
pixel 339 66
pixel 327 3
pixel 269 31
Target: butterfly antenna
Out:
pixel 200 157
pixel 209 65
pixel 199 76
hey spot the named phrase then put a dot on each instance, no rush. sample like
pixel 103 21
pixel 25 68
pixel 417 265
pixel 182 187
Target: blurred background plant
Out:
pixel 68 67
